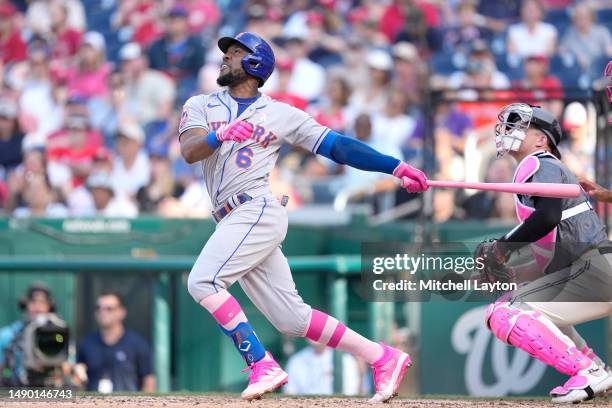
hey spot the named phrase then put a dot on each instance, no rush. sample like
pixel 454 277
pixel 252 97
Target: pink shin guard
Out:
pixel 534 333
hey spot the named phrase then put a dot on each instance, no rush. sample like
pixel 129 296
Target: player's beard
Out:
pixel 232 78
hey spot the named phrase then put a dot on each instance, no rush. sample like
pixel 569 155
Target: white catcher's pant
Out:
pixel 579 293
pixel 589 278
pixel 245 247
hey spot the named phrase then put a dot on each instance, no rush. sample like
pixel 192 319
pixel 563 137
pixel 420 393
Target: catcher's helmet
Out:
pixel 547 123
pixel 515 118
pixel 260 62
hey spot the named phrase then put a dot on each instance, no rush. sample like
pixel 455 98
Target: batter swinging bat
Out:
pixel 556 190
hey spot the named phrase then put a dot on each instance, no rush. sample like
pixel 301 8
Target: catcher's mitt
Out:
pixel 494 261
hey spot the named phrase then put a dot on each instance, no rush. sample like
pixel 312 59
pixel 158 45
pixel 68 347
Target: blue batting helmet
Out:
pixel 260 62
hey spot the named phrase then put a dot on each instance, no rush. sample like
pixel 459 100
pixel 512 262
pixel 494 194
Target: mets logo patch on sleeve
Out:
pixel 184 118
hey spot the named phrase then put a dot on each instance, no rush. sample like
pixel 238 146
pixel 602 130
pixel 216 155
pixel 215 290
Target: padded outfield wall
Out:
pixel 200 358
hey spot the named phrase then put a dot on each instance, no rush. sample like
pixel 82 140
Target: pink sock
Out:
pixel 225 309
pixel 590 353
pixel 324 329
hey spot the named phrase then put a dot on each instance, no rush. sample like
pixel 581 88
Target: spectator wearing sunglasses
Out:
pixel 115 358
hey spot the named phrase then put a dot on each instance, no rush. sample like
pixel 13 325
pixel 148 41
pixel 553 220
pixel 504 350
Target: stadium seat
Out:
pixel 599 65
pixel 442 64
pixel 511 72
pixel 560 63
pixel 568 72
pixel 113 45
pixel 498 44
pixel 604 17
pixel 98 14
pixel 560 18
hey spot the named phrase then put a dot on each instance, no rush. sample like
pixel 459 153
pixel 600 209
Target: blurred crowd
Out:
pixel 92 90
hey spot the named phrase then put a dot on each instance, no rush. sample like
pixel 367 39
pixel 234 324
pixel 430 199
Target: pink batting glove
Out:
pixel 413 180
pixel 235 132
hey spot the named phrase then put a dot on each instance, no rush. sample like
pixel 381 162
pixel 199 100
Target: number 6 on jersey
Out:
pixel 244 157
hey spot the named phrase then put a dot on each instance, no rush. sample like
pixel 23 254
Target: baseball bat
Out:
pixel 556 190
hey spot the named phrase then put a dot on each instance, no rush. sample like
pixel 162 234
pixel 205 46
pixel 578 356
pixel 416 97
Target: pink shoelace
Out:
pixel 258 370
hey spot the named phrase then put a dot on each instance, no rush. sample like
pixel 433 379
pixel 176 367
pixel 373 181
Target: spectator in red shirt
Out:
pixel 202 14
pixel 75 147
pixel 365 27
pixel 88 78
pixel 12 47
pixel 137 20
pixel 409 20
pixel 285 70
pixel 65 41
pixel 538 87
pixel 4 193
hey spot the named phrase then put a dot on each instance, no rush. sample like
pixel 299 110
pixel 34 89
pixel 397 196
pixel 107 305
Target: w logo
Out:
pixel 514 371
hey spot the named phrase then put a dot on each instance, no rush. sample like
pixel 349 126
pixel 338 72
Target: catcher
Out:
pixel 569 247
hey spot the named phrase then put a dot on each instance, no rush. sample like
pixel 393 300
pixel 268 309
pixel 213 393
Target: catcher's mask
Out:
pixel 514 120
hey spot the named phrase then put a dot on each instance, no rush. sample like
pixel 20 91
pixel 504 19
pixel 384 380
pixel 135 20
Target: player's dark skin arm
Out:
pixel 194 146
pixel 596 191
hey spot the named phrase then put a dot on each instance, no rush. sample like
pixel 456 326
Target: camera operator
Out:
pixel 34 350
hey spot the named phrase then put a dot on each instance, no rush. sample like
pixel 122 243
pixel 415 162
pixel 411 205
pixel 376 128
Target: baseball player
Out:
pixel 577 282
pixel 237 134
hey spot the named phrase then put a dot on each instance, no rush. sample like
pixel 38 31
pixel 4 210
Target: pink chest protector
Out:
pixel 543 249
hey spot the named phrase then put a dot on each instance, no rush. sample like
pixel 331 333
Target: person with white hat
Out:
pixel 149 93
pixel 106 202
pixel 578 148
pixel 307 77
pixel 409 71
pixel 131 168
pixel 373 97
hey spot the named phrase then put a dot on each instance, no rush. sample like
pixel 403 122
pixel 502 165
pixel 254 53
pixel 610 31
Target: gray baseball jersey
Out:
pixel 579 272
pixel 245 246
pixel 577 233
pixel 584 228
pixel 244 167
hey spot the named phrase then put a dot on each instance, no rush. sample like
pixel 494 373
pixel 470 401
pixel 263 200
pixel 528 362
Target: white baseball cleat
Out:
pixel 388 373
pixel 265 376
pixel 585 385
